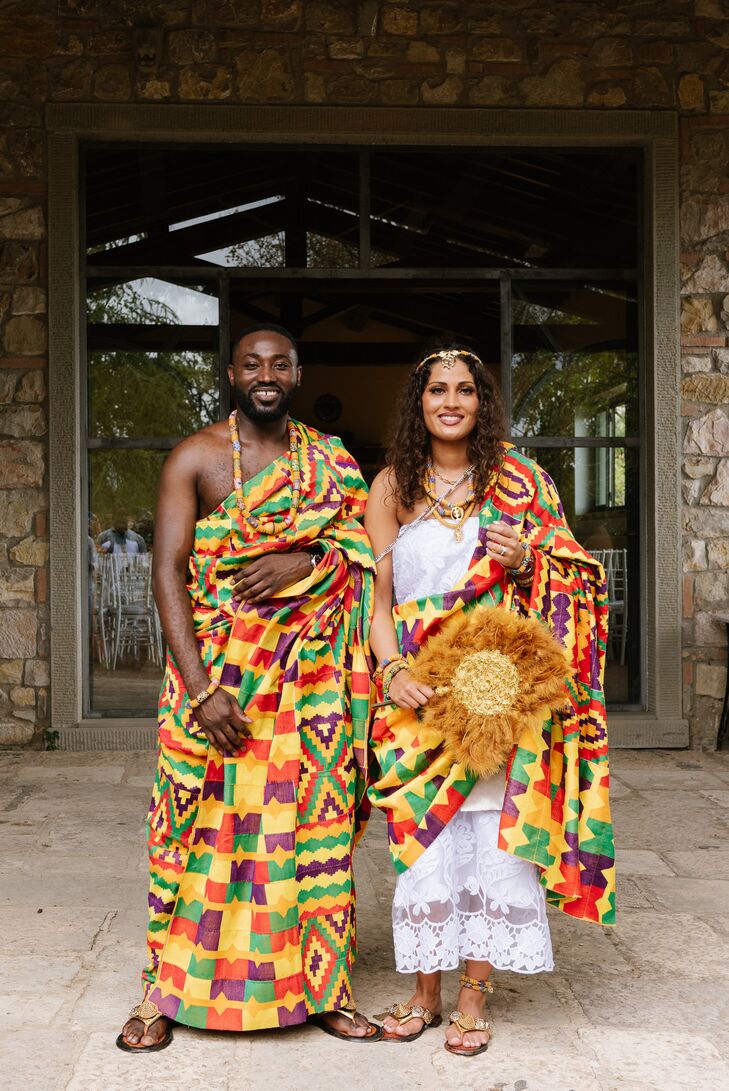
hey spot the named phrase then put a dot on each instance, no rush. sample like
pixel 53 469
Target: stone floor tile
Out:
pixel 701 863
pixel 640 862
pixel 650 778
pixel 695 896
pixel 656 1001
pixel 720 797
pixel 576 943
pixel 31 1062
pixel 520 1058
pixel 630 894
pixel 56 931
pixel 88 773
pixel 651 940
pixel 193 1062
pixel 669 822
pixel 635 1060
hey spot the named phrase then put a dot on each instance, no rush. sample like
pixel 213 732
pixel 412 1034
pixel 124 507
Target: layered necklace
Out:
pixel 452 516
pixel 274 523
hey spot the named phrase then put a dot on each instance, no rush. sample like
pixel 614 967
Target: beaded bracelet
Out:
pixel 388 676
pixel 525 561
pixel 385 663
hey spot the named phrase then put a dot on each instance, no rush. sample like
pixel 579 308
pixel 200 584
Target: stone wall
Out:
pixel 614 55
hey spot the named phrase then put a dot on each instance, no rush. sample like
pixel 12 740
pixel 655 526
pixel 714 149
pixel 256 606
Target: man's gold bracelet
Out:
pixel 195 702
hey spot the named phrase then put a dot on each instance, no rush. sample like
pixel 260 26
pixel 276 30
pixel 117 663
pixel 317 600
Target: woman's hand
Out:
pixel 223 721
pixel 270 574
pixel 503 545
pixel 405 692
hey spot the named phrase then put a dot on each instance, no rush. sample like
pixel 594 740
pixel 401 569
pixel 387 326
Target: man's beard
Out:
pixel 263 414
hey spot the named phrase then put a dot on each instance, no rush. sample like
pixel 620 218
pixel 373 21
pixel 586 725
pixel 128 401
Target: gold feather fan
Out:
pixel 494 674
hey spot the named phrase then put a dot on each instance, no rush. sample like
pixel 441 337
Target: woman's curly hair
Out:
pixel 409 450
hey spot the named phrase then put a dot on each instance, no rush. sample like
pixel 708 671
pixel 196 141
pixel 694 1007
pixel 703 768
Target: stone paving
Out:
pixel 642 1007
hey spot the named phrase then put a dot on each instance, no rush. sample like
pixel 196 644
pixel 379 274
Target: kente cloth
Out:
pixel 252 911
pixel 556 810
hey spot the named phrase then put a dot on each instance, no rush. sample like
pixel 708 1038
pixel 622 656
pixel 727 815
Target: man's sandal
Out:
pixel 374 1033
pixel 147 1013
pixel 466 1023
pixel 403 1013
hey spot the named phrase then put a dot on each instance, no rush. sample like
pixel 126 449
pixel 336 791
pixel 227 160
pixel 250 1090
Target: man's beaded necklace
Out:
pixel 274 523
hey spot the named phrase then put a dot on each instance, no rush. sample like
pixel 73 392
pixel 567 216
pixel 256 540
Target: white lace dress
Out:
pixel 464 898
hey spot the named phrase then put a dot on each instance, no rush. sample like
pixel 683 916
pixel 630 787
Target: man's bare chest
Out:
pixel 215 482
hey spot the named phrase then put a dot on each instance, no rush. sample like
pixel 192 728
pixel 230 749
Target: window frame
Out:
pixel 661 722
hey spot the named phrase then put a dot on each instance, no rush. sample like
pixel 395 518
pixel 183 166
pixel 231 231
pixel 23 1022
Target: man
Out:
pixel 263 580
pixel 120 539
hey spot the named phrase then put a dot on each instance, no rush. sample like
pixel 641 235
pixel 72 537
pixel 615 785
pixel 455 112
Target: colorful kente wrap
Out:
pixel 556 811
pixel 252 921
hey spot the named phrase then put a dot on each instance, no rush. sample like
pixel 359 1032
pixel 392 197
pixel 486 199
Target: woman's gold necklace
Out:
pixel 455 515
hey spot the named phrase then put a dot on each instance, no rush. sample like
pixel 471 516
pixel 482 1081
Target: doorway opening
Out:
pixel 528 256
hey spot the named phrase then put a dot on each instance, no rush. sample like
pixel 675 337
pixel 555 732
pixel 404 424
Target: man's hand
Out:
pixel 267 575
pixel 223 722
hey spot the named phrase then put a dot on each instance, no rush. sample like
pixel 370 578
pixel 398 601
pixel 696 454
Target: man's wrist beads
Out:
pixel 387 670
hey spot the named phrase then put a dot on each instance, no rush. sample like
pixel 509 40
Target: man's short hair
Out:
pixel 268 327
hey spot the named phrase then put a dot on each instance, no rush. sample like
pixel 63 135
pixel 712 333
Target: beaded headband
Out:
pixel 448 357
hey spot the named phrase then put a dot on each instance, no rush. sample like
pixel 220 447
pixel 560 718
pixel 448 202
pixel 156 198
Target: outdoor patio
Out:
pixel 642 1007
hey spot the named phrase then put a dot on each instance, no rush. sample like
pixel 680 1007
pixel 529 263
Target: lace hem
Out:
pixel 467 899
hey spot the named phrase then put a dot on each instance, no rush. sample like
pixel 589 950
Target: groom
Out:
pixel 263 580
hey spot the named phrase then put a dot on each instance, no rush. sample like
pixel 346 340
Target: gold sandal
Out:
pixel 374 1033
pixel 147 1013
pixel 466 1023
pixel 405 1012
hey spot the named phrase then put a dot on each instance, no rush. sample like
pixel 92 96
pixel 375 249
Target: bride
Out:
pixel 459 517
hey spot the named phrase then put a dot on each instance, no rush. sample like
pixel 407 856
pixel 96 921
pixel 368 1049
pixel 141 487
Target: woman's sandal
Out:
pixel 403 1013
pixel 147 1013
pixel 373 1034
pixel 466 1023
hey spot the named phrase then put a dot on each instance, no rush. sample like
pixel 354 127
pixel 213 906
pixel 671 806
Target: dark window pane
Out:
pixel 125 640
pixel 575 362
pixel 599 488
pixel 550 209
pixel 236 207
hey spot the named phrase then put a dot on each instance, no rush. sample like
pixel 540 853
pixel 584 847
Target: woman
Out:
pixel 457 518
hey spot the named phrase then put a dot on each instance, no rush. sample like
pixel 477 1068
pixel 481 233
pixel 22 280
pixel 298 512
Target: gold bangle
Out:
pixel 195 702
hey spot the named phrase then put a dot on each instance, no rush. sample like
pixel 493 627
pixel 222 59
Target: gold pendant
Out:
pixel 457 513
pixel 459 534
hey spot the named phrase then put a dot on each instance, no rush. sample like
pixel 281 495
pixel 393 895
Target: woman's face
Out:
pixel 450 402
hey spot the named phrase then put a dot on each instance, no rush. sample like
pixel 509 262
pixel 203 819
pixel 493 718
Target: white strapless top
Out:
pixel 427 560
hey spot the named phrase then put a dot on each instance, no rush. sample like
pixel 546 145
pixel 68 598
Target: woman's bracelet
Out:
pixel 385 663
pixel 387 678
pixel 523 573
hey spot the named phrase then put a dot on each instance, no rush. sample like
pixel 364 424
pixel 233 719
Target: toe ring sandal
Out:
pixel 466 1023
pixel 404 1012
pixel 373 1034
pixel 147 1013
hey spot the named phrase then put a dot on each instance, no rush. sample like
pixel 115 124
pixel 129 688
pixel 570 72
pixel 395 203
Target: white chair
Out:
pixel 136 625
pixel 615 563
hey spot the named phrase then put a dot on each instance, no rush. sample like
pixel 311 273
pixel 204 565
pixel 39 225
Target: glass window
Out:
pixel 575 361
pixel 366 255
pixel 126 646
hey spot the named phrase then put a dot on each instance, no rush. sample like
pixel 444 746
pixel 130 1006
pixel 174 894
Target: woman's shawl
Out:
pixel 556 811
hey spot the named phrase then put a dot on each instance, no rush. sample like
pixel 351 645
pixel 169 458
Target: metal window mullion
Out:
pixel 507 345
pixel 364 209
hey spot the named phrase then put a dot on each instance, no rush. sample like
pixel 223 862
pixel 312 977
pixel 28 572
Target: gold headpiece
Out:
pixel 448 357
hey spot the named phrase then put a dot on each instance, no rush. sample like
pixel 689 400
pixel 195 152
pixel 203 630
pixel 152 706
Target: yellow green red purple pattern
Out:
pixel 252 915
pixel 556 810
